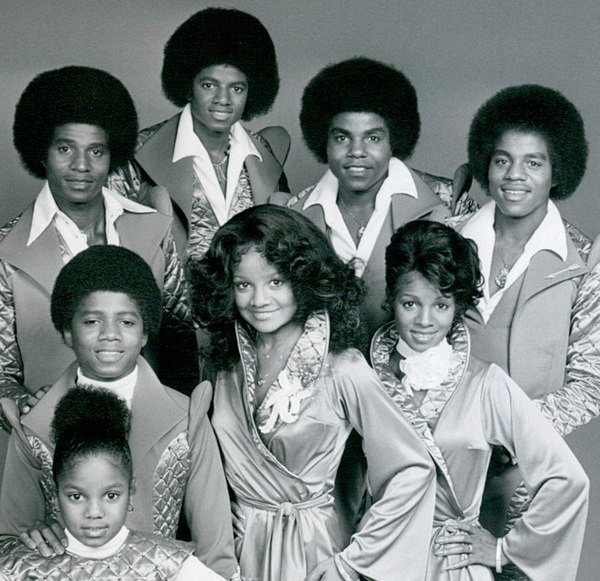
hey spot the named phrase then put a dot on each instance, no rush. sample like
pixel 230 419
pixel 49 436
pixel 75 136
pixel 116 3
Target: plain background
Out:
pixel 457 53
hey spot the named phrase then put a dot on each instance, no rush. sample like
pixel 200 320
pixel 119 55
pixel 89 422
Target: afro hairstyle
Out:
pixel 360 85
pixel 73 95
pixel 441 255
pixel 87 422
pixel 532 108
pixel 221 36
pixel 106 268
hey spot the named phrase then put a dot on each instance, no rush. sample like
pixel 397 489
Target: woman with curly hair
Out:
pixel 539 317
pixel 72 126
pixel 461 407
pixel 282 312
pixel 220 67
pixel 361 117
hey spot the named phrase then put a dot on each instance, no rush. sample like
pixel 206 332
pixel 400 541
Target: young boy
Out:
pixel 105 303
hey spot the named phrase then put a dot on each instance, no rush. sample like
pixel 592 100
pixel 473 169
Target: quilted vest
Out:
pixel 142 557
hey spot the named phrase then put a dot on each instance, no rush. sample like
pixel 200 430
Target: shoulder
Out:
pixel 148 132
pixel 349 364
pixel 276 139
pixel 4 230
pixel 297 200
pixel 582 243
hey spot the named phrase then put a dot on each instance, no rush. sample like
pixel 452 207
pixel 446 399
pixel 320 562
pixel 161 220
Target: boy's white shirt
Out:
pixel 122 388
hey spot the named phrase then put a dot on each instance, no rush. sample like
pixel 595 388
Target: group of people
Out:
pixel 369 379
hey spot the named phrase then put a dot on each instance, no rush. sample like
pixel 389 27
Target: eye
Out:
pixel 443 306
pixel 112 495
pixel 339 138
pixel 90 322
pixel 97 152
pixel 277 282
pixel 74 496
pixel 534 164
pixel 408 304
pixel 239 89
pixel 499 161
pixel 241 286
pixel 63 149
pixel 374 138
pixel 128 323
pixel 207 85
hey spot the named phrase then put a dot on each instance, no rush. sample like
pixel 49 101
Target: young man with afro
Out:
pixel 220 67
pixel 539 318
pixel 360 116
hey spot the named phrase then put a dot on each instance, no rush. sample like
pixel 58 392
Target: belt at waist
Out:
pixel 286 508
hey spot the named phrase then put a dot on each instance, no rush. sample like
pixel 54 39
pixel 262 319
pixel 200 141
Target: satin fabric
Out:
pixel 476 407
pixel 286 517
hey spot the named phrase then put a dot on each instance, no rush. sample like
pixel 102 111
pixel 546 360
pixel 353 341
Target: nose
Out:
pixel 424 317
pixel 357 148
pixel 515 172
pixel 80 162
pixel 110 331
pixel 260 296
pixel 94 509
pixel 222 95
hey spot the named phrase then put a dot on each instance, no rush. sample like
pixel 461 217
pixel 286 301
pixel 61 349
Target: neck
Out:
pixel 280 340
pixel 517 230
pixel 215 142
pixel 84 215
pixel 360 201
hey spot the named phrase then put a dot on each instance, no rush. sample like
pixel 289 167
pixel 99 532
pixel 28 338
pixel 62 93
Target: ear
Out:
pixel 68 338
pixel 144 340
pixel 132 486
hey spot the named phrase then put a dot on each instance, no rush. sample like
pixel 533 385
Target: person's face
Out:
pixel 93 496
pixel 520 175
pixel 359 151
pixel 107 335
pixel 422 313
pixel 219 94
pixel 77 164
pixel 263 298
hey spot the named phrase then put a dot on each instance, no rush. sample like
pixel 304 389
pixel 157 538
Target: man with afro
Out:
pixel 72 126
pixel 539 318
pixel 360 116
pixel 220 67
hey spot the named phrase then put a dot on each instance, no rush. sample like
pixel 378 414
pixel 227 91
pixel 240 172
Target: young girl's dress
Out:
pixel 475 407
pixel 129 556
pixel 281 460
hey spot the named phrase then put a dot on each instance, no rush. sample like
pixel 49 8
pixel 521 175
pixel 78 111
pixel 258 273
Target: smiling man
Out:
pixel 72 127
pixel 360 117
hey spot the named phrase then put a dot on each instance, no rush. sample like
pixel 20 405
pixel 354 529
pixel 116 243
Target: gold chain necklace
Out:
pixel 361 227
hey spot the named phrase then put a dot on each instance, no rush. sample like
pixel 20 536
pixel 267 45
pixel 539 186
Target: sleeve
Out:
pixel 21 496
pixel 578 400
pixel 11 364
pixel 194 570
pixel 395 531
pixel 127 181
pixel 178 346
pixel 206 505
pixel 545 543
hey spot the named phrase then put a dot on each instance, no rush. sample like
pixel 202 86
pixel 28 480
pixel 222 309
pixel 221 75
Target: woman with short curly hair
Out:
pixel 220 67
pixel 539 317
pixel 361 117
pixel 72 125
pixel 282 312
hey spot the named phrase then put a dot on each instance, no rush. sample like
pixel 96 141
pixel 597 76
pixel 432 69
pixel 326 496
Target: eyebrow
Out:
pixel 215 80
pixel 347 131
pixel 119 313
pixel 72 142
pixel 534 154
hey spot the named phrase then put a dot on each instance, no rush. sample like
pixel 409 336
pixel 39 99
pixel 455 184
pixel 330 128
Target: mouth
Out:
pixel 108 355
pixel 514 193
pixel 220 115
pixel 96 531
pixel 422 337
pixel 357 170
pixel 262 315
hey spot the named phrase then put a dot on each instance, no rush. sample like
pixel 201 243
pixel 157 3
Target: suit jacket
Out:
pixel 403 209
pixel 164 468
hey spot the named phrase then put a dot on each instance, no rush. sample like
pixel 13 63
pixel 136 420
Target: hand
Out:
pixel 26 404
pixel 325 571
pixel 48 539
pixel 475 544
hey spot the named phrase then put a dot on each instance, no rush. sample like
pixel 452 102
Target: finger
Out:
pixel 464 549
pixel 450 539
pixel 60 536
pixel 28 541
pixel 463 562
pixel 40 543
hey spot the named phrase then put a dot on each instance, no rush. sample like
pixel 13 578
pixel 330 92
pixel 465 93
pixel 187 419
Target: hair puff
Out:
pixel 532 108
pixel 360 85
pixel 221 36
pixel 73 95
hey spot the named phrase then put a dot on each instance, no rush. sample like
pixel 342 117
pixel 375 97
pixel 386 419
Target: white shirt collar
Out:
pixel 45 210
pixel 77 548
pixel 549 235
pixel 399 181
pixel 188 144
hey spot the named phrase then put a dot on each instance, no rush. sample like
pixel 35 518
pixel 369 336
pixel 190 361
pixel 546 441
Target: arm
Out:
pixel 578 400
pixel 11 365
pixel 206 500
pixel 545 542
pixel 22 501
pixel 396 529
pixel 178 347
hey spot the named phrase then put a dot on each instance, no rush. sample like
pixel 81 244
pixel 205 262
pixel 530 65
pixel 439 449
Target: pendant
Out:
pixel 500 279
pixel 361 231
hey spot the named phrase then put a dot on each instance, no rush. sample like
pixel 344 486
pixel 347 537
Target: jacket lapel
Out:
pixel 155 157
pixel 264 175
pixel 143 233
pixel 154 412
pixel 41 260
